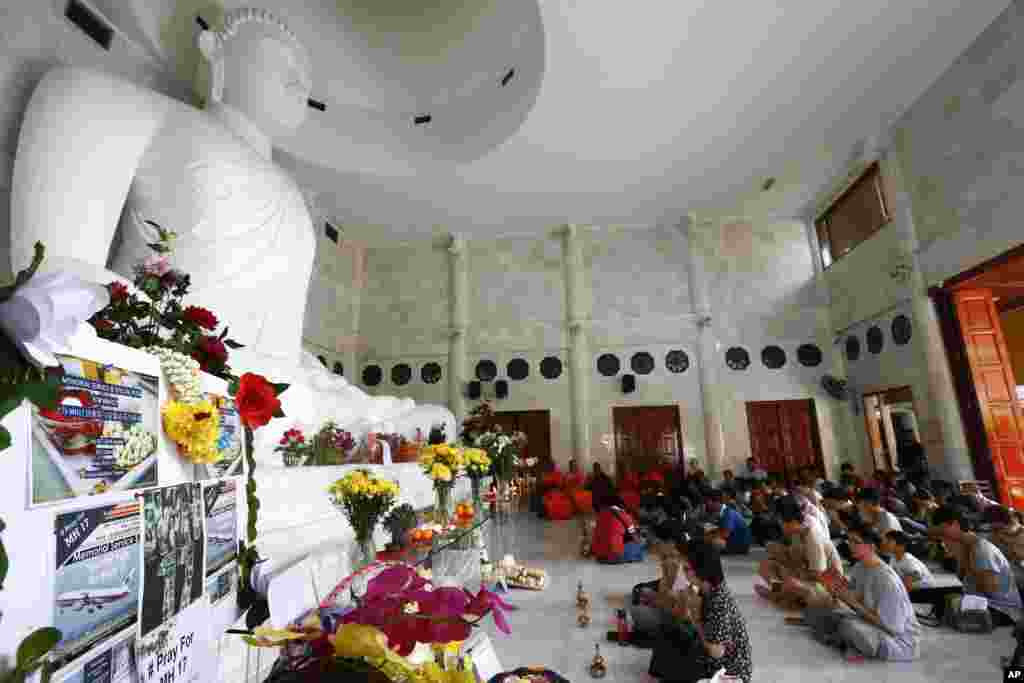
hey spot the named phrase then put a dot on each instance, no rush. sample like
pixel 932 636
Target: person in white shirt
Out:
pixel 869 504
pixel 914 572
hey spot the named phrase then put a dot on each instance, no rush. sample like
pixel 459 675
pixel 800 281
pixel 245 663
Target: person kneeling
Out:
pixel 883 624
pixel 616 537
pixel 708 632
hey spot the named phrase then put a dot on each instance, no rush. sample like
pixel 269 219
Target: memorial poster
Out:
pixel 96 582
pixel 178 651
pixel 101 437
pixel 172 554
pixel 220 501
pixel 114 662
pixel 220 586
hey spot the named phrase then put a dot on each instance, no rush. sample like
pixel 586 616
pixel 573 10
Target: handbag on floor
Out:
pixel 973 619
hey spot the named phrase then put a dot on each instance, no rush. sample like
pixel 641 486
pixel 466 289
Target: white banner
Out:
pixel 177 651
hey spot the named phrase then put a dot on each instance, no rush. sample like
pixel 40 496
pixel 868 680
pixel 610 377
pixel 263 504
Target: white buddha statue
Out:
pixel 98 156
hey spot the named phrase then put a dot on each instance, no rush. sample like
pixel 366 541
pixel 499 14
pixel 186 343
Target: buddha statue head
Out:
pixel 259 68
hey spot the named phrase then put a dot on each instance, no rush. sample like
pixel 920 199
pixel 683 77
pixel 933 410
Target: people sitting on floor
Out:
pixel 847 476
pixel 601 486
pixel 651 601
pixel 869 505
pixel 730 534
pixel 982 567
pixel 914 573
pixel 982 502
pixel 882 624
pixel 835 502
pixel 1008 536
pixel 764 526
pixel 616 537
pixel 809 503
pixel 728 481
pixel 709 632
pixel 753 472
pixel 795 572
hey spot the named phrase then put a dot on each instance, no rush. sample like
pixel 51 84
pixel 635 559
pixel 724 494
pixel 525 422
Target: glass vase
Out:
pixel 364 553
pixel 476 485
pixel 502 489
pixel 444 504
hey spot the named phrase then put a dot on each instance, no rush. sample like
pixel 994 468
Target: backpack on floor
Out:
pixel 969 620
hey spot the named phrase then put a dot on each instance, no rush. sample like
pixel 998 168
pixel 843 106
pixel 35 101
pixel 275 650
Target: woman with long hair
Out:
pixel 710 633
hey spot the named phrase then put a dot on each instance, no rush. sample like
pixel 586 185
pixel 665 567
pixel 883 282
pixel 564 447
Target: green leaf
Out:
pixel 5 564
pixel 224 334
pixel 7 291
pixel 279 413
pixel 233 387
pixel 5 439
pixel 281 388
pixel 35 647
pixel 232 344
pixel 43 394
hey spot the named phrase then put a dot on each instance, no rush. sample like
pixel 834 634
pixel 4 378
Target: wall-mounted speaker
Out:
pixel 474 390
pixel 501 388
pixel 628 384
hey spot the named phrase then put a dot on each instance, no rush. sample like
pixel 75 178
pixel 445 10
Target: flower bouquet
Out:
pixel 478 466
pixel 365 499
pixel 371 642
pixel 293 447
pixel 503 450
pixel 159 318
pixel 331 445
pixel 399 522
pixel 443 464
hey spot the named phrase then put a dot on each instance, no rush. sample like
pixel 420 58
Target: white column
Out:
pixel 459 322
pixel 577 318
pixel 707 353
pixel 942 428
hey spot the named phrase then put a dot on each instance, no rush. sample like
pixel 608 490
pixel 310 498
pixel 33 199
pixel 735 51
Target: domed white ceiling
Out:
pixel 619 113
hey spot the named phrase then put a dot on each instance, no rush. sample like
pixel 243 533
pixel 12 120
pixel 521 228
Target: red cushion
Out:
pixel 631 499
pixel 631 481
pixel 558 506
pixel 583 500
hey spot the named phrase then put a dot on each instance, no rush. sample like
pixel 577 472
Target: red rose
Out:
pixel 256 400
pixel 102 325
pixel 213 348
pixel 118 291
pixel 200 316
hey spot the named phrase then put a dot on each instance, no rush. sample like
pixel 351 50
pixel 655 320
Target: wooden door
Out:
pixel 995 387
pixel 784 435
pixel 647 437
pixel 536 424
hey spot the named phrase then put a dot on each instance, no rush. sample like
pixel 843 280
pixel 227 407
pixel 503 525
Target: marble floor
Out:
pixel 545 631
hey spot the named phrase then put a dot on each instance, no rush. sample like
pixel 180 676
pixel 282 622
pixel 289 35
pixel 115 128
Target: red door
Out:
pixel 647 437
pixel 995 387
pixel 784 435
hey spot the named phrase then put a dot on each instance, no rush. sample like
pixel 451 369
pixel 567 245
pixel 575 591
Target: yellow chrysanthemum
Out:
pixel 441 472
pixel 195 427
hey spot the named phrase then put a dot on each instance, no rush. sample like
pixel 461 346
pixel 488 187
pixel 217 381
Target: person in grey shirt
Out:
pixel 882 624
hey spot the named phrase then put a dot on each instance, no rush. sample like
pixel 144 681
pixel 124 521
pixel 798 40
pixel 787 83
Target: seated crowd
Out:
pixel 859 558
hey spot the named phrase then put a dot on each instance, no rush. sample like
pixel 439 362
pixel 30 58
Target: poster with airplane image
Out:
pixel 220 500
pixel 112 662
pixel 173 553
pixel 222 585
pixel 102 436
pixel 96 582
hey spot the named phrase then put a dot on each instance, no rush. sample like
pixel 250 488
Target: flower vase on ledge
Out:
pixel 476 484
pixel 364 553
pixel 444 504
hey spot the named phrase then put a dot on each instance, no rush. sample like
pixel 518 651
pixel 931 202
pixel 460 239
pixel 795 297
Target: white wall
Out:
pixel 636 293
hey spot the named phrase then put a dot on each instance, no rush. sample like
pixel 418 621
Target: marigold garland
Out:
pixel 195 427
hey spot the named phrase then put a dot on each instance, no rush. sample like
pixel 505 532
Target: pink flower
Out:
pixel 157 265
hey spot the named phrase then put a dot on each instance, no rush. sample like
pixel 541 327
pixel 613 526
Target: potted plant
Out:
pixel 398 523
pixel 332 445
